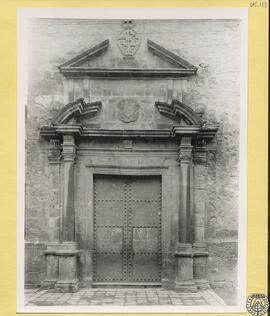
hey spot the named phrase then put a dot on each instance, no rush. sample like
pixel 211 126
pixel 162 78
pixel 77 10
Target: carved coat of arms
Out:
pixel 128 110
pixel 128 40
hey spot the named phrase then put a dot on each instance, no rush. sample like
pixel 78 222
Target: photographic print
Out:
pixel 133 159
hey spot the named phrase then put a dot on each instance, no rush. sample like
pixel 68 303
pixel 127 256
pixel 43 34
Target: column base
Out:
pixel 185 287
pixel 184 281
pixel 62 267
pixel 202 284
pixel 86 283
pixel 67 286
pixel 200 259
pixel 48 284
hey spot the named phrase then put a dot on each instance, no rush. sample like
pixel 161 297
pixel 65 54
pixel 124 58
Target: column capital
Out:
pixel 200 151
pixel 69 148
pixel 54 151
pixel 200 155
pixel 185 150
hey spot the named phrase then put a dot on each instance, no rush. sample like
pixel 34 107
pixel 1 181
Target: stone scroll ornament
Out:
pixel 129 40
pixel 128 110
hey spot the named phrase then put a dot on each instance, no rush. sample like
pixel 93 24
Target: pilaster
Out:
pixel 54 158
pixel 200 253
pixel 61 255
pixel 67 250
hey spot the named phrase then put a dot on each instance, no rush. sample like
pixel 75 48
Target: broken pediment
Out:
pixel 75 111
pixel 128 111
pixel 179 112
pixel 99 62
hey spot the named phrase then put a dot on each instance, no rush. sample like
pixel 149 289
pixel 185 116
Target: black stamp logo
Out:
pixel 257 304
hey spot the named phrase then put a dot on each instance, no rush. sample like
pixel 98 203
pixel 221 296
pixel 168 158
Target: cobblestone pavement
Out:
pixel 121 297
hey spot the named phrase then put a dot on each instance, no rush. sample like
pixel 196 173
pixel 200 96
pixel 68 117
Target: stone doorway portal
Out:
pixel 127 229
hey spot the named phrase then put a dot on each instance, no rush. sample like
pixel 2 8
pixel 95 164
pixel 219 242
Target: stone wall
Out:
pixel 212 46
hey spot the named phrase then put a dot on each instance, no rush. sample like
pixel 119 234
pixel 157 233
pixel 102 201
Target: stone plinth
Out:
pixel 61 259
pixel 200 259
pixel 184 269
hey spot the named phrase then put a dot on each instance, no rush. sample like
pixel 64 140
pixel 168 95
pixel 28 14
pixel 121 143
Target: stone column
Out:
pixel 184 252
pixel 200 252
pixel 68 215
pixel 67 250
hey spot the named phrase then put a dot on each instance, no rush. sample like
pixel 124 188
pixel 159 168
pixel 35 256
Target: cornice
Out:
pixel 125 73
pixel 56 131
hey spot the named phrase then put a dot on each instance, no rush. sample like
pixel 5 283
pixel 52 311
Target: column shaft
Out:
pixel 184 252
pixel 67 251
pixel 68 216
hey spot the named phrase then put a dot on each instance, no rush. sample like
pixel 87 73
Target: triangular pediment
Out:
pixel 90 54
pixel 101 61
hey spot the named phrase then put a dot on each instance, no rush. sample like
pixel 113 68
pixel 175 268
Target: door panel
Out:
pixel 145 212
pixel 146 240
pixel 109 187
pixel 109 213
pixel 146 188
pixel 109 268
pixel 146 268
pixel 109 239
pixel 127 228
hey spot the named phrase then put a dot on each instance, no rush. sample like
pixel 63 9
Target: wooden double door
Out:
pixel 127 229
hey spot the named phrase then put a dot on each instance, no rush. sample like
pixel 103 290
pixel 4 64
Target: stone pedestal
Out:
pixel 68 281
pixel 61 260
pixel 200 259
pixel 52 271
pixel 184 269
